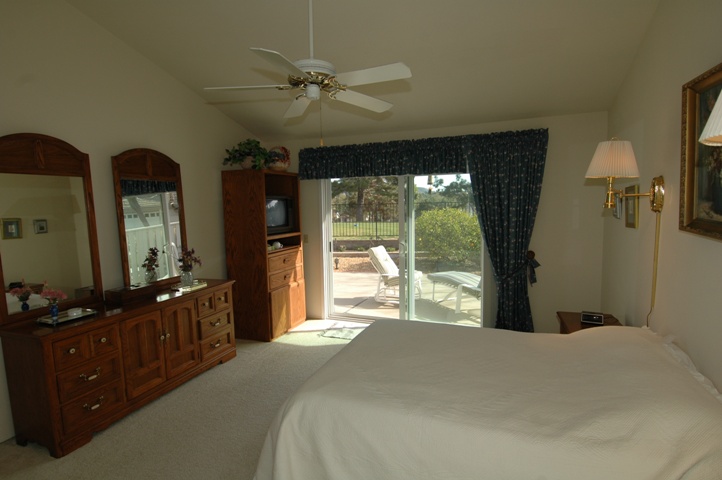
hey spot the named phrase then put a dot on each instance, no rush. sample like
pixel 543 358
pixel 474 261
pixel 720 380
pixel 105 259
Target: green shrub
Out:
pixel 449 233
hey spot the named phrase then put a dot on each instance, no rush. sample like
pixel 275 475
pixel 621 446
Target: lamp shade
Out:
pixel 613 158
pixel 712 132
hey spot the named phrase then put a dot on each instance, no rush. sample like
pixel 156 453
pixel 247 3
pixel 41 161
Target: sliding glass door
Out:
pixel 407 248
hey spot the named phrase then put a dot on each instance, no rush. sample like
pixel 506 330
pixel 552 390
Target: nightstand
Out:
pixel 570 322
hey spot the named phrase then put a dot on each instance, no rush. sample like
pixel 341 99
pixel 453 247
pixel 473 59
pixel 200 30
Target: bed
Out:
pixel 412 400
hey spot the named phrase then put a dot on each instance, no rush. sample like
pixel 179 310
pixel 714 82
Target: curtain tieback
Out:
pixel 528 265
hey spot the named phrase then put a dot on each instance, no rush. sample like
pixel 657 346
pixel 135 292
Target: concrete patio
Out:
pixel 354 297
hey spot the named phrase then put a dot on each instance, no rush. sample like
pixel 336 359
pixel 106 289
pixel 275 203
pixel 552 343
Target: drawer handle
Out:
pixel 103 340
pixel 219 299
pixel 72 351
pixel 216 323
pixel 95 406
pixel 204 304
pixel 92 377
pixel 216 345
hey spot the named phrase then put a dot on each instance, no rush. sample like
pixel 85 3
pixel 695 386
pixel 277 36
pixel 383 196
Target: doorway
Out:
pixel 426 225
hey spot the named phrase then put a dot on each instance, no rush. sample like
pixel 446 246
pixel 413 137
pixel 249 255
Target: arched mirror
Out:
pixel 149 205
pixel 48 225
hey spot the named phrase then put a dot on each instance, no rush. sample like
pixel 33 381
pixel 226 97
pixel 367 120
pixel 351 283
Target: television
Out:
pixel 279 215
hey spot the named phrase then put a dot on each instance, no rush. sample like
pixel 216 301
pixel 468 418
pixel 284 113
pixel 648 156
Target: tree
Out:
pixel 360 191
pixel 458 191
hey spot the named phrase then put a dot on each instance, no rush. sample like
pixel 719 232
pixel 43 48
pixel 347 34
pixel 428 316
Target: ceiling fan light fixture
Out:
pixel 313 91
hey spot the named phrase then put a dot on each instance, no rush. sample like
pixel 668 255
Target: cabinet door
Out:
pixel 280 310
pixel 142 353
pixel 181 337
pixel 298 303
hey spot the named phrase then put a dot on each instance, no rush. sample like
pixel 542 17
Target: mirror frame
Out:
pixel 145 164
pixel 37 154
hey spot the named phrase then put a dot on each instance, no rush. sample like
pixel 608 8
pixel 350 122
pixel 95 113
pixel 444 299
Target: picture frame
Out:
pixel 700 199
pixel 12 228
pixel 631 207
pixel 617 212
pixel 40 226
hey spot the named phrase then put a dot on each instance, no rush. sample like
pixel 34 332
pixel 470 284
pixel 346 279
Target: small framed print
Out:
pixel 617 212
pixel 40 225
pixel 12 228
pixel 631 207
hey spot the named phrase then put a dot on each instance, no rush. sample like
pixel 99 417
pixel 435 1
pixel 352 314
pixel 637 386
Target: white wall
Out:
pixel 64 76
pixel 567 237
pixel 683 42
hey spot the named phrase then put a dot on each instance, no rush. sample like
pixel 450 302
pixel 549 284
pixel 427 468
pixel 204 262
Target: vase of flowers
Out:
pixel 150 264
pixel 53 296
pixel 23 295
pixel 186 262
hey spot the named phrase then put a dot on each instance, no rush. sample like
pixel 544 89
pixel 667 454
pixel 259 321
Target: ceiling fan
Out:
pixel 314 76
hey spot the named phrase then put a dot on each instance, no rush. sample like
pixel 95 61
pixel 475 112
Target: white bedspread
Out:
pixel 410 400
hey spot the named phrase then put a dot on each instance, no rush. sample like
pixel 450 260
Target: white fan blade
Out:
pixel 363 101
pixel 250 87
pixel 298 107
pixel 280 61
pixel 384 73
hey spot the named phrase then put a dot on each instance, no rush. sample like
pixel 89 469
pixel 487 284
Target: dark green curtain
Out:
pixel 141 187
pixel 506 175
pixel 400 157
pixel 506 178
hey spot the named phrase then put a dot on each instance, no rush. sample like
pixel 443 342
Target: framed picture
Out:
pixel 12 228
pixel 40 225
pixel 617 212
pixel 631 207
pixel 700 199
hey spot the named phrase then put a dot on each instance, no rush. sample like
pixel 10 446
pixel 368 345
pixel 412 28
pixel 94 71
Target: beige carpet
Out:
pixel 212 427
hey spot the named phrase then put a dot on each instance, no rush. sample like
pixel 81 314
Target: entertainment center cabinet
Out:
pixel 269 290
pixel 71 380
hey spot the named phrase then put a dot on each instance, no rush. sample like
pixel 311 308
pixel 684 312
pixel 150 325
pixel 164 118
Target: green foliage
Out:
pixel 457 191
pixel 248 148
pixel 449 233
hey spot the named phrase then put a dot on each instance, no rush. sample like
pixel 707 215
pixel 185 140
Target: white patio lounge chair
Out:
pixel 462 282
pixel 388 284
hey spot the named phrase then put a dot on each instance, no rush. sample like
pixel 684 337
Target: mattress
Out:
pixel 412 400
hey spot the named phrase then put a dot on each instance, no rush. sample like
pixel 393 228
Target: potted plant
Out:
pixel 248 154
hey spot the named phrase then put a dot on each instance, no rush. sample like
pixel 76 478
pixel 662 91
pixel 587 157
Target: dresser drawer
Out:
pixel 213 325
pixel 89 376
pixel 95 406
pixel 71 351
pixel 218 344
pixel 76 350
pixel 213 302
pixel 104 340
pixel 280 279
pixel 284 261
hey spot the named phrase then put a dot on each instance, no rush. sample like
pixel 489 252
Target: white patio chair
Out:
pixel 388 284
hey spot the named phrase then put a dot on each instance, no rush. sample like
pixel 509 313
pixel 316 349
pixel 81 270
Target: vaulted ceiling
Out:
pixel 472 61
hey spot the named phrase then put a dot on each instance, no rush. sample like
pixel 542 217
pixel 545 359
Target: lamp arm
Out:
pixel 655 194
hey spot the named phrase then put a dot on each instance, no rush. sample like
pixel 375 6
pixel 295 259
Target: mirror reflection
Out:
pixel 152 220
pixel 149 205
pixel 44 238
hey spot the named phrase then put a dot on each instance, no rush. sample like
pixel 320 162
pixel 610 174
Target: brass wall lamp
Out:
pixel 615 159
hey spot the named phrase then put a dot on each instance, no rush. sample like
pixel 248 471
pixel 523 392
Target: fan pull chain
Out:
pixel 320 120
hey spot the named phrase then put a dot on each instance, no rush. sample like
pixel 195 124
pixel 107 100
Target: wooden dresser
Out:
pixel 69 381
